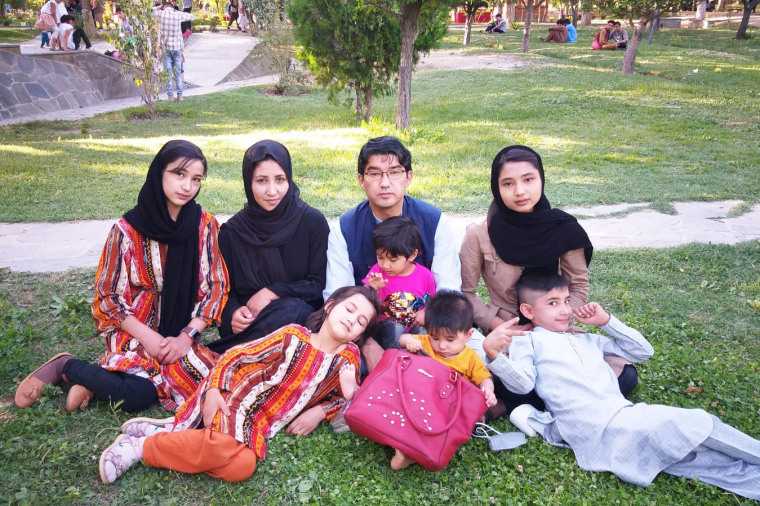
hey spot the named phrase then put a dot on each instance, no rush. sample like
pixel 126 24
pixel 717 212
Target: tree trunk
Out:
pixel 410 16
pixel 526 29
pixel 701 10
pixel 367 103
pixel 510 14
pixel 585 17
pixel 633 46
pixel 468 29
pixel 574 10
pixel 748 6
pixel 719 7
pixel 655 25
pixel 359 104
pixel 89 21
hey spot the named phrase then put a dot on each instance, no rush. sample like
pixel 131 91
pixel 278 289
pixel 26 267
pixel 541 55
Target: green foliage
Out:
pixel 352 44
pixel 140 49
pixel 704 337
pixel 347 44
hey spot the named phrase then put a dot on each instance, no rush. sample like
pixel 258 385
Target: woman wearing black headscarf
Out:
pixel 275 249
pixel 522 231
pixel 161 280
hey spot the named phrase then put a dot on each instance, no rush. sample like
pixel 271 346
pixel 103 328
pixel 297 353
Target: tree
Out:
pixel 471 8
pixel 347 44
pixel 529 5
pixel 747 7
pixel 423 25
pixel 646 11
pixel 141 50
pixel 88 20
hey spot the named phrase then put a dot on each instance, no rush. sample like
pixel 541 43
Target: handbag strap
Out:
pixel 414 422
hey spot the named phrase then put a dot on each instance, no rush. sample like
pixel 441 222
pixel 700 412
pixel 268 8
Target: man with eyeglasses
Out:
pixel 385 171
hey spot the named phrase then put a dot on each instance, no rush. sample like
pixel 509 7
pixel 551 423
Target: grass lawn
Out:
pixel 17 35
pixel 666 134
pixel 693 303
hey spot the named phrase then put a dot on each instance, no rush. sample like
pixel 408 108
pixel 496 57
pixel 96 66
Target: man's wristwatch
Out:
pixel 190 331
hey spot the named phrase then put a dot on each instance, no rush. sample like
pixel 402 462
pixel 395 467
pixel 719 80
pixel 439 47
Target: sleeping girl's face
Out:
pixel 269 184
pixel 520 186
pixel 348 318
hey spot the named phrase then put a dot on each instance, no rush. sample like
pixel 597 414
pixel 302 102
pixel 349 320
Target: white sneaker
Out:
pixel 143 427
pixel 119 457
pixel 519 418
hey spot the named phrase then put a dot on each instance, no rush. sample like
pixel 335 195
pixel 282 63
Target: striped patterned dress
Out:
pixel 269 382
pixel 129 282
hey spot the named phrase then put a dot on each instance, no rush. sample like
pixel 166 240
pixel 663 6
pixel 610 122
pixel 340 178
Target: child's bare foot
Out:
pixel 400 461
pixel 348 385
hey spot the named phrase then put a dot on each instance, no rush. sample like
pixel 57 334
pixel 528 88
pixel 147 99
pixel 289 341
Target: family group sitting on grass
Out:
pixel 285 360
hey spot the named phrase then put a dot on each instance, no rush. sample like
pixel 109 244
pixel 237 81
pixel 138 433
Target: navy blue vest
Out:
pixel 358 224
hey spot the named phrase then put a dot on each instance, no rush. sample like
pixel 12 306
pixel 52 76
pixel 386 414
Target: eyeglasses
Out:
pixel 377 175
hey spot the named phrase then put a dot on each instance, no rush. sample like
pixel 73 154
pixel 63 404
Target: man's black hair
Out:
pixel 398 235
pixel 448 311
pixel 386 145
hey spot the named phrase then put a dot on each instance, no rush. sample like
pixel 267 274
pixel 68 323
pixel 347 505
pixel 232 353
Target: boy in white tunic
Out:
pixel 586 411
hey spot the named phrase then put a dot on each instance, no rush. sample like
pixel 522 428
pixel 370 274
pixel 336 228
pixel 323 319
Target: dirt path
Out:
pixel 461 60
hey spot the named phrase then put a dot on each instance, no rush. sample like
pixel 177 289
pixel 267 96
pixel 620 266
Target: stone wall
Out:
pixel 47 83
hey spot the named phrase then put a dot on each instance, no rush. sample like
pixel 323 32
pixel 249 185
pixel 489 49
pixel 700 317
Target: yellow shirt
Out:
pixel 466 362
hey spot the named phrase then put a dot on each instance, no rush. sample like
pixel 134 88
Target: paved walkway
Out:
pixel 209 58
pixel 55 247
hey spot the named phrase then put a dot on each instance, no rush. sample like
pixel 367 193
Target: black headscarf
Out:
pixel 536 239
pixel 258 233
pixel 151 218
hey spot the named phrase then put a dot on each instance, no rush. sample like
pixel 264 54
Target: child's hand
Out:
pixel 487 386
pixel 410 343
pixel 212 404
pixel 375 281
pixel 419 318
pixel 500 338
pixel 592 314
pixel 348 385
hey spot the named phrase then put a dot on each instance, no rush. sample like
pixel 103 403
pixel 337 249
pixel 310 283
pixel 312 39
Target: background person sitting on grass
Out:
pixel 586 411
pixel 602 38
pixel 558 32
pixel 252 393
pixel 161 280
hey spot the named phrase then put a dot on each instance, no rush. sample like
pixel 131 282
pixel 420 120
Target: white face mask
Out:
pixel 498 441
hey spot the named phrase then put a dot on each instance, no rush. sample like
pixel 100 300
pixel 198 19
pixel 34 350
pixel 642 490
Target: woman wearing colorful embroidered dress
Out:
pixel 255 390
pixel 160 282
pixel 275 250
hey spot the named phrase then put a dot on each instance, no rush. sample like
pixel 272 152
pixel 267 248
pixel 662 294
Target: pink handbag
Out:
pixel 417 405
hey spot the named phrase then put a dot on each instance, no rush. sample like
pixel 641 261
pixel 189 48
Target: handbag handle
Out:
pixel 414 422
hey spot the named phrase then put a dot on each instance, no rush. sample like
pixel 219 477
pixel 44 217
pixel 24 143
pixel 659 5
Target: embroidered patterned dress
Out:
pixel 269 382
pixel 129 282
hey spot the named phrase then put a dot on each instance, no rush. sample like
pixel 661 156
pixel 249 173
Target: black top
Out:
pixel 304 258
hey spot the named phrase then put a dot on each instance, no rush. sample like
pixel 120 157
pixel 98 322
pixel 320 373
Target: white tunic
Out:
pixel 606 431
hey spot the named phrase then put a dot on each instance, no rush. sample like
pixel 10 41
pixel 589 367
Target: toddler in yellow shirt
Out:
pixel 448 318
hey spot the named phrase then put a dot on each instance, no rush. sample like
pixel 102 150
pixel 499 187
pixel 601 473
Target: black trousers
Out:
pixel 186 25
pixel 627 381
pixel 134 393
pixel 80 36
pixel 276 314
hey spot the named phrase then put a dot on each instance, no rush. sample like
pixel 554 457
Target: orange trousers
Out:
pixel 200 451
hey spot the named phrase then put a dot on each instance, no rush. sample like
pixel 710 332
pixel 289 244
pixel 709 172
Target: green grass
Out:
pixel 691 302
pixel 665 134
pixel 17 35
